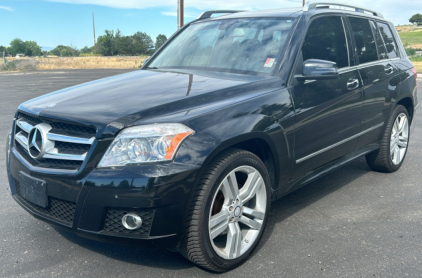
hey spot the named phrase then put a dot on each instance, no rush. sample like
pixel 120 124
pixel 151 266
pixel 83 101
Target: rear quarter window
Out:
pixel 389 41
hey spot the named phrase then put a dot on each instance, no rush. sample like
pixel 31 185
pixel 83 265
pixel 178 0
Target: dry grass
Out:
pixel 418 66
pixel 53 63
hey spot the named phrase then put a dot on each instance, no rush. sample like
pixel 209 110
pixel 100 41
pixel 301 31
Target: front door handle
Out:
pixel 352 84
pixel 388 69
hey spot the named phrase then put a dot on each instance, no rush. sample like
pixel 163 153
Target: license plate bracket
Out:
pixel 33 190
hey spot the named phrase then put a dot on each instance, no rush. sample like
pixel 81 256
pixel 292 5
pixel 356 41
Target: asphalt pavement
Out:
pixel 351 223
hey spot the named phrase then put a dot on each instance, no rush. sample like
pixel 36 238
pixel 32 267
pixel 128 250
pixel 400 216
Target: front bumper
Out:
pixel 92 204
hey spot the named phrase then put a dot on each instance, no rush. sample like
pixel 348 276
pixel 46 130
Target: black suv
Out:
pixel 233 112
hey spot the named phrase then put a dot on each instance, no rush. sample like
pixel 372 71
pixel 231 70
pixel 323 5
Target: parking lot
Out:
pixel 351 223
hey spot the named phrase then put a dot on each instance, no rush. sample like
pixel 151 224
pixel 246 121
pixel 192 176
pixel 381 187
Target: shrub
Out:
pixel 410 52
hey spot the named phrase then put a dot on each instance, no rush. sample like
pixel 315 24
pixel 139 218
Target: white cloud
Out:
pixel 9 9
pixel 397 11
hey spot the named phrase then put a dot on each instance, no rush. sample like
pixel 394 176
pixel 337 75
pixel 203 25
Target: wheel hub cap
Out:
pixel 237 211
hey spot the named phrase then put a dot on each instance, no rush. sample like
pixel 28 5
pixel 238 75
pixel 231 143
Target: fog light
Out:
pixel 132 221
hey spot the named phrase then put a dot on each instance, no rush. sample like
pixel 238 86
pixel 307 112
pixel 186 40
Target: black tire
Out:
pixel 196 245
pixel 381 160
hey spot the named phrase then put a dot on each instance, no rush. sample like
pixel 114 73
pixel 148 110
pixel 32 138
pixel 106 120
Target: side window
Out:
pixel 326 40
pixel 365 42
pixel 382 53
pixel 389 41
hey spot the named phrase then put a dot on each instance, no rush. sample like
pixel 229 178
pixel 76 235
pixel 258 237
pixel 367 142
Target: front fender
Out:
pixel 269 118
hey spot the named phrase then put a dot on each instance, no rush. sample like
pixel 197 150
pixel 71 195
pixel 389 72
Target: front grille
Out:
pixel 57 210
pixel 49 163
pixel 69 143
pixel 83 131
pixel 113 223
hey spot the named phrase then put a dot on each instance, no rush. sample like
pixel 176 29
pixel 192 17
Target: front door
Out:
pixel 328 112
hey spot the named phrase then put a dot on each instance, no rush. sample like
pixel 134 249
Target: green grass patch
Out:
pixel 410 36
pixel 416 59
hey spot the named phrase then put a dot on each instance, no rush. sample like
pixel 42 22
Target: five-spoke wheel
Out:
pixel 394 142
pixel 238 211
pixel 399 139
pixel 229 211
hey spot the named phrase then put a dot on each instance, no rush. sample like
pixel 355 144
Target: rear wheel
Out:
pixel 229 211
pixel 394 143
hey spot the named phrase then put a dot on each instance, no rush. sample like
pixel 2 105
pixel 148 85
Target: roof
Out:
pixel 313 8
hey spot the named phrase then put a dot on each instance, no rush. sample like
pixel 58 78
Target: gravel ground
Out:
pixel 351 223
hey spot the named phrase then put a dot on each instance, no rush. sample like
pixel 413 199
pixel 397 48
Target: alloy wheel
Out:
pixel 237 212
pixel 399 139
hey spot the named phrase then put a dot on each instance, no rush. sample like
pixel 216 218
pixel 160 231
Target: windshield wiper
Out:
pixel 153 68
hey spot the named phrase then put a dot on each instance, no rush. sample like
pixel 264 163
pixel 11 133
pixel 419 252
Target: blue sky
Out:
pixel 69 22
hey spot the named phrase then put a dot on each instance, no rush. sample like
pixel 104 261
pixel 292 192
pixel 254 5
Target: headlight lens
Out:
pixel 148 143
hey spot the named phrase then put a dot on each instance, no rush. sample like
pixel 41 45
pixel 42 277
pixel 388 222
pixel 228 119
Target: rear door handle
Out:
pixel 352 84
pixel 388 69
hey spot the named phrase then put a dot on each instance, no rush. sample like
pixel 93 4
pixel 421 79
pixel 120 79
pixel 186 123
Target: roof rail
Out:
pixel 334 5
pixel 208 14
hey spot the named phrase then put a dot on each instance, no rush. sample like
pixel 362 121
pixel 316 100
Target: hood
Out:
pixel 122 98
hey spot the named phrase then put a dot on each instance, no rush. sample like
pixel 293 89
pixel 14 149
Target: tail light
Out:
pixel 415 73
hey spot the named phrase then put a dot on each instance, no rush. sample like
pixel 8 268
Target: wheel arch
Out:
pixel 407 102
pixel 258 143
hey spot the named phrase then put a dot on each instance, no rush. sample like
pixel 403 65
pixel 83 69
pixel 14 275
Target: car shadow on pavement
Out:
pixel 294 202
pixel 281 210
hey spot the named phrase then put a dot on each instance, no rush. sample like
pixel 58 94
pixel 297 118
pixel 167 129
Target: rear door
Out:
pixel 379 75
pixel 327 111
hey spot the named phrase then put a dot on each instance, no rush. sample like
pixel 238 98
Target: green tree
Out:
pixel 17 46
pixel 141 43
pixel 87 50
pixel 29 48
pixel 3 49
pixel 416 18
pixel 65 51
pixel 32 49
pixel 159 41
pixel 105 43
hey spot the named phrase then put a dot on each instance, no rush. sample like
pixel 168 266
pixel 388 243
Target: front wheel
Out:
pixel 229 211
pixel 394 143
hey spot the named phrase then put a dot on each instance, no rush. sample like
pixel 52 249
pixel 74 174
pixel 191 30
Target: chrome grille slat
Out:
pixel 67 146
pixel 54 154
pixel 24 126
pixel 21 139
pixel 64 138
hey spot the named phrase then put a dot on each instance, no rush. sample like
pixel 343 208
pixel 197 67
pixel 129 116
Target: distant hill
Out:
pixel 411 36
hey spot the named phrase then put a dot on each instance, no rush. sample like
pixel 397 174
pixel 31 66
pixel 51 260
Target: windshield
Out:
pixel 250 46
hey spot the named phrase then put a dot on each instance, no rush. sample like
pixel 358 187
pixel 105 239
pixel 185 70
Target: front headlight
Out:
pixel 148 143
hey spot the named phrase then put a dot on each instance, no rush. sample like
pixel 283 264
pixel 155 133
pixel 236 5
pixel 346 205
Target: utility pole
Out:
pixel 304 3
pixel 180 14
pixel 4 60
pixel 95 41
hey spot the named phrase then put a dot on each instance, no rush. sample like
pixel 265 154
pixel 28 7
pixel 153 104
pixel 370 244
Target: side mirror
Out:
pixel 314 69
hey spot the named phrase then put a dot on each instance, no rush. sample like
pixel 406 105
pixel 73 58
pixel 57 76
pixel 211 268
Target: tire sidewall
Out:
pixel 399 110
pixel 241 159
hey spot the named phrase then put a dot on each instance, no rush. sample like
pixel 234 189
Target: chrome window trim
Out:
pixel 338 143
pixel 347 42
